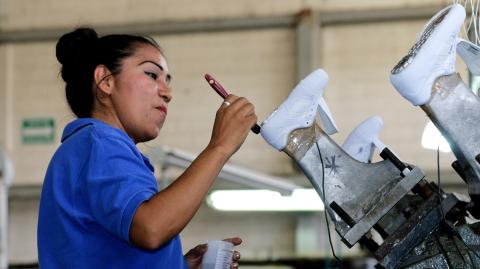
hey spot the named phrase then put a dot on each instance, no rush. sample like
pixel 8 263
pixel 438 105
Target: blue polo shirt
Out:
pixel 94 183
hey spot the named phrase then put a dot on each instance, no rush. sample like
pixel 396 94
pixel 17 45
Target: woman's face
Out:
pixel 141 93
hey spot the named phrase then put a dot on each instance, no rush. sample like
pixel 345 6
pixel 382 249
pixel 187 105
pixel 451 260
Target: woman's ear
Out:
pixel 103 79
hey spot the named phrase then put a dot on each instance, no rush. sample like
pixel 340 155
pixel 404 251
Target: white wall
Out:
pixel 257 64
pixel 30 14
pixel 34 91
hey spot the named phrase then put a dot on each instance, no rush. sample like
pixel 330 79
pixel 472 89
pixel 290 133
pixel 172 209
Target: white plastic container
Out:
pixel 218 256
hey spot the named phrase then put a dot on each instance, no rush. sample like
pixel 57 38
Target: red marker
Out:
pixel 223 93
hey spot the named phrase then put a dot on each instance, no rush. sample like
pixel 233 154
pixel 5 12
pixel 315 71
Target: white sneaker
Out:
pixel 362 141
pixel 433 55
pixel 298 110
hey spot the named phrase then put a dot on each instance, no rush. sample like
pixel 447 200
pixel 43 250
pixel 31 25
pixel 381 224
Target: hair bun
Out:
pixel 70 45
pixel 74 51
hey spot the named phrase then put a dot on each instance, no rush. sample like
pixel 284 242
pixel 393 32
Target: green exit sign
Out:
pixel 38 130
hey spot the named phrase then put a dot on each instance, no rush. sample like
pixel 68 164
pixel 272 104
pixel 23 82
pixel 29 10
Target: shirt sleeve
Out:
pixel 118 181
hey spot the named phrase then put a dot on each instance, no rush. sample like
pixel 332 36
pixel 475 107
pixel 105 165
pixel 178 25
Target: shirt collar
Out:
pixel 78 124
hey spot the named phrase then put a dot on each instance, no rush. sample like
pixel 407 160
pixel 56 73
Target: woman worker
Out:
pixel 100 206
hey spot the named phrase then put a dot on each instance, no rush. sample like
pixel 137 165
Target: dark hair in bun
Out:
pixel 81 51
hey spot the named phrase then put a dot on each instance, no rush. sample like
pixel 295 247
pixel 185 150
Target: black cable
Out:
pixel 444 253
pixel 460 252
pixel 338 260
pixel 470 250
pixel 471 259
pixel 455 233
pixel 463 242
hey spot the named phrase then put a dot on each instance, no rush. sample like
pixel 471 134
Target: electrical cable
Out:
pixel 338 260
pixel 474 21
pixel 463 242
pixel 473 18
pixel 478 39
pixel 444 253
pixel 471 259
pixel 460 252
pixel 469 248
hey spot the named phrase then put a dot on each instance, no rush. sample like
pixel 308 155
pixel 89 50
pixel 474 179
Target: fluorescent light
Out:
pixel 265 200
pixel 432 139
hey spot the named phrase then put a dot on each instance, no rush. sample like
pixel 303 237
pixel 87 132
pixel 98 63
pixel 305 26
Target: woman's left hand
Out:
pixel 195 255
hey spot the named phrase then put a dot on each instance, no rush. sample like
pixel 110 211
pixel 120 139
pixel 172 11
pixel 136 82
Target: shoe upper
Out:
pixel 297 111
pixel 433 55
pixel 362 141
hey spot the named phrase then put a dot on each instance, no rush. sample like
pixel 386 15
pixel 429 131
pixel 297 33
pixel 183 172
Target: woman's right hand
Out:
pixel 232 124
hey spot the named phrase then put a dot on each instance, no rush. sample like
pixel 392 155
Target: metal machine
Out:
pixel 389 207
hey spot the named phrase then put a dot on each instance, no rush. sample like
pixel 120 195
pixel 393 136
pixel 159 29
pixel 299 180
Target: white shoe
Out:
pixel 298 110
pixel 432 56
pixel 362 141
